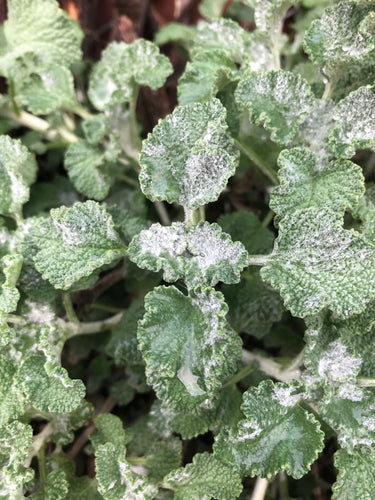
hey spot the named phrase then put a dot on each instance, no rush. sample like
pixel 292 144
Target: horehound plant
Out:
pixel 190 359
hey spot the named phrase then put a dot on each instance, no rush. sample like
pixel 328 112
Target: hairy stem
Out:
pixel 70 312
pixel 193 217
pixel 366 381
pixel 39 441
pixel 271 368
pixel 240 375
pixel 259 260
pixel 93 326
pixel 260 489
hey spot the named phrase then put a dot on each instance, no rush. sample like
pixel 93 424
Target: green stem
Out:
pixel 268 218
pixel 366 381
pixel 193 217
pixel 128 180
pixel 259 260
pixel 16 320
pixel 93 326
pixel 266 169
pixel 271 368
pixel 135 140
pixel 42 464
pixel 70 312
pixel 40 125
pixel 104 307
pixel 240 375
pixel 137 460
pixel 39 441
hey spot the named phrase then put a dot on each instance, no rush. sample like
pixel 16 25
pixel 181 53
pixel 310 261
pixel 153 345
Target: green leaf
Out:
pixel 354 123
pixel 355 478
pixel 75 242
pixel 110 430
pixel 90 169
pixel 205 478
pixel 189 156
pixel 317 264
pixel 365 211
pixel 277 434
pixel 17 172
pixel 55 487
pixel 202 254
pixel 253 306
pixel 212 9
pixel 271 98
pixel 53 391
pixel 15 439
pixel 67 423
pixel 11 400
pixel 268 14
pixel 307 182
pixel 207 74
pixel 116 478
pixel 340 37
pixel 186 345
pixel 40 42
pixel 9 273
pixel 95 128
pixel 122 68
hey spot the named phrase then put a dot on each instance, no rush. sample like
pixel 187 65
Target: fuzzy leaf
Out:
pixel 75 242
pixel 268 14
pixel 15 440
pixel 306 182
pixel 54 392
pixel 212 9
pixel 11 401
pixel 271 100
pixel 189 156
pixel 365 211
pixel 355 478
pixel 340 37
pixel 205 478
pixel 110 430
pixel 66 423
pixel 276 435
pixel 116 478
pixel 122 68
pixel 89 169
pixel 54 487
pixel 317 264
pixel 205 75
pixel 9 295
pixel 186 345
pixel 17 172
pixel 355 127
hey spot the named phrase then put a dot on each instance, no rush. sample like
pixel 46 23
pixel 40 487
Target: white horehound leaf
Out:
pixel 342 36
pixel 205 478
pixel 18 171
pixel 365 212
pixel 122 68
pixel 355 126
pixel 276 435
pixel 186 344
pixel 279 100
pixel 189 156
pixel 316 263
pixel 201 254
pixel 9 273
pixel 307 182
pixel 75 242
pixel 355 478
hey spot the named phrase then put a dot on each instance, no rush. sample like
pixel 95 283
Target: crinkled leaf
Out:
pixel 317 264
pixel 15 439
pixel 189 156
pixel 355 478
pixel 307 182
pixel 17 172
pixel 186 345
pixel 205 75
pixel 205 478
pixel 54 392
pixel 253 306
pixel 365 211
pixel 11 401
pixel 123 67
pixel 75 242
pixel 340 37
pixel 66 423
pixel 95 128
pixel 247 228
pixel 278 99
pixel 116 478
pixel 9 273
pixel 54 487
pixel 277 434
pixel 176 33
pixel 355 127
pixel 90 169
pixel 110 430
pixel 268 14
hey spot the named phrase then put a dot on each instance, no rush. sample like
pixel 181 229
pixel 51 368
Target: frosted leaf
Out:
pixel 186 345
pixel 365 211
pixel 318 264
pixel 75 242
pixel 340 36
pixel 307 182
pixel 205 478
pixel 278 100
pixel 202 254
pixel 337 365
pixel 355 478
pixel 205 76
pixel 276 434
pixel 268 14
pixel 9 273
pixel 17 172
pixel 355 127
pixel 122 68
pixel 189 156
